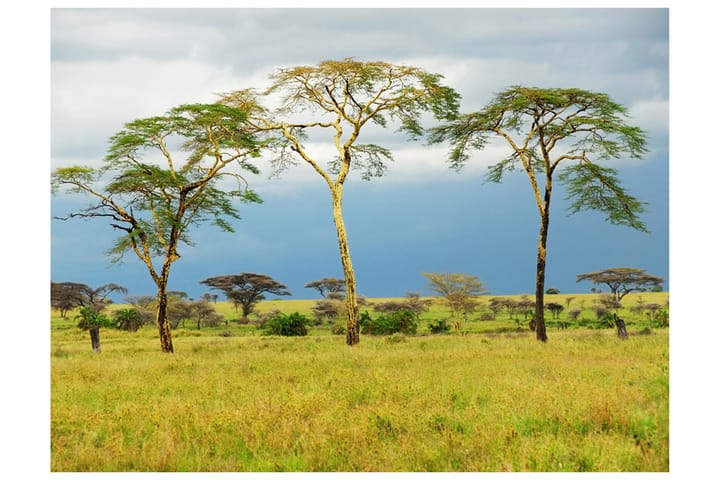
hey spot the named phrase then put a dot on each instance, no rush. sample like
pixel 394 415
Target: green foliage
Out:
pixel 552 291
pixel 402 321
pixel 287 325
pixel 130 319
pixel 89 319
pixel 547 128
pixel 593 187
pixel 440 326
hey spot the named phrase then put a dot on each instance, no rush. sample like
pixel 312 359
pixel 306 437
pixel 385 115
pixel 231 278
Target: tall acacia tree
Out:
pixel 342 98
pixel 623 280
pixel 555 134
pixel 192 174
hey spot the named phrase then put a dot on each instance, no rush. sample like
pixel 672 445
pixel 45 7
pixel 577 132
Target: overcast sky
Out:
pixel 109 67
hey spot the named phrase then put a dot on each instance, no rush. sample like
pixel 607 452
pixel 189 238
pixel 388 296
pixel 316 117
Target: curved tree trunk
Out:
pixel 353 312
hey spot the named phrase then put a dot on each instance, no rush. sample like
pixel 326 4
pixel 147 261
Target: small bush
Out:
pixel 338 328
pixel 442 326
pixel 292 325
pixel 402 321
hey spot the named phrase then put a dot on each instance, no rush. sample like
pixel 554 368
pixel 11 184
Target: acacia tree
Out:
pixel 328 287
pixel 246 289
pixel 65 296
pixel 344 97
pixel 555 134
pixel 623 280
pixel 458 291
pixel 68 295
pixel 183 182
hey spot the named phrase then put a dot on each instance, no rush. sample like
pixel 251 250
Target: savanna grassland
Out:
pixel 488 398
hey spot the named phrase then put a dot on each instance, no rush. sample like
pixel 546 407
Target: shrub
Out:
pixel 130 319
pixel 402 321
pixel 338 328
pixel 442 326
pixel 292 325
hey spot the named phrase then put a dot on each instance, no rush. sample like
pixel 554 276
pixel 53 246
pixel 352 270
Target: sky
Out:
pixel 111 66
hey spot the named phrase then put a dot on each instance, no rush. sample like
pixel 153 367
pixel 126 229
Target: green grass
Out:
pixel 586 401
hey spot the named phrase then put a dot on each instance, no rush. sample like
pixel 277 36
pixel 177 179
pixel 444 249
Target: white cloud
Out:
pixel 92 100
pixel 651 115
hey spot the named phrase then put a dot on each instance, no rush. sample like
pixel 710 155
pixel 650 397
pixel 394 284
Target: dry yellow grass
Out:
pixel 585 401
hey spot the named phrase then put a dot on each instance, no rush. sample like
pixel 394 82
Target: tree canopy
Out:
pixel 65 296
pixel 623 280
pixel 327 286
pixel 162 175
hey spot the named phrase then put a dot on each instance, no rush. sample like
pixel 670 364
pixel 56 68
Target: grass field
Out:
pixel 475 402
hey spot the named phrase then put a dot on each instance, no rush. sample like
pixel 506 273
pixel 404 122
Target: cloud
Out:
pixel 91 101
pixel 110 66
pixel 651 115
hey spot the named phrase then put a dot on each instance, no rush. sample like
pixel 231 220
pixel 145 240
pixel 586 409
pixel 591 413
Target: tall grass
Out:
pixel 585 401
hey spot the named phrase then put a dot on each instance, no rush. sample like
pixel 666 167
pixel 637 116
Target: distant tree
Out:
pixel 574 313
pixel 326 286
pixel 623 280
pixel 609 301
pixel 66 296
pixel 153 202
pixel 344 98
pixel 458 291
pixel 412 303
pixel 210 297
pixel 526 306
pixel 204 314
pixel 511 306
pixel 415 304
pixel 246 289
pixel 328 309
pixel 146 305
pixel 554 134
pixel 555 309
pixel 552 291
pixel 496 305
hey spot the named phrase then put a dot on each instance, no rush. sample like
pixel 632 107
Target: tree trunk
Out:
pixel 621 328
pixel 163 322
pixel 95 339
pixel 353 311
pixel 538 323
pixel 246 310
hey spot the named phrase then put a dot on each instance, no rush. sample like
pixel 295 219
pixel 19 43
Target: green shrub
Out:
pixel 402 321
pixel 441 326
pixel 290 325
